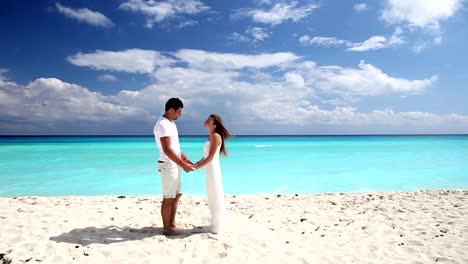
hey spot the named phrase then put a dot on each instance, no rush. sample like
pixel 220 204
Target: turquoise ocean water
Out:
pixel 89 166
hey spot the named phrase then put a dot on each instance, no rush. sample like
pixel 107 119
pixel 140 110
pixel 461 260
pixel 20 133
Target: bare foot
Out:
pixel 171 232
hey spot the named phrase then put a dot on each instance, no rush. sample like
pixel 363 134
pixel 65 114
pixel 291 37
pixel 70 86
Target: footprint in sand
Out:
pixel 415 243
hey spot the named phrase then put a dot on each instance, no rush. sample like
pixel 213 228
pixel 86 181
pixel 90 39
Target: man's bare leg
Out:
pixel 166 213
pixel 174 210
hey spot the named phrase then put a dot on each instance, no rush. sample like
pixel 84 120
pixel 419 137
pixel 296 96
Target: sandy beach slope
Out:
pixel 378 227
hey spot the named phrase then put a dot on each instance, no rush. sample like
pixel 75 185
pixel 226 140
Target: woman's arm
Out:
pixel 215 141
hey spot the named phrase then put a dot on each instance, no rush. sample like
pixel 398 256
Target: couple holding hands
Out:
pixel 172 160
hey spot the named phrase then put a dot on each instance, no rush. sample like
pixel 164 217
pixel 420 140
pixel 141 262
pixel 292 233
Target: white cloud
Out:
pixel 187 23
pixel 213 60
pixel 192 65
pixel 260 2
pixel 323 41
pixel 49 104
pixel 252 35
pixel 85 15
pixel 107 78
pixel 373 43
pixel 2 77
pixel 238 37
pixel 279 13
pixel 426 14
pixel 157 11
pixel 222 70
pixel 251 92
pixel 420 47
pixel 379 42
pixel 258 33
pixel 132 60
pixel 438 40
pixel 147 61
pixel 294 79
pixel 366 80
pixel 360 7
pixel 50 100
pixel 351 117
pixel 423 45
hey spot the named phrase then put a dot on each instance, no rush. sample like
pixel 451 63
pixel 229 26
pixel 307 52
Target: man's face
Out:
pixel 174 114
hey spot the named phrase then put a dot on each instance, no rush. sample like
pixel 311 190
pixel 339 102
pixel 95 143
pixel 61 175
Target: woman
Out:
pixel 214 178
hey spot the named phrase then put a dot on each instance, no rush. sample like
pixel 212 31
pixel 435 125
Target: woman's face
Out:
pixel 209 123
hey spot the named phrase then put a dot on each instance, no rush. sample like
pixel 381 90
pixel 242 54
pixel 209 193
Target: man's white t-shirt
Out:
pixel 166 128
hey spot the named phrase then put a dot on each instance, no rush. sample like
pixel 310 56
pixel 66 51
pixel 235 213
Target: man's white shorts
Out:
pixel 171 175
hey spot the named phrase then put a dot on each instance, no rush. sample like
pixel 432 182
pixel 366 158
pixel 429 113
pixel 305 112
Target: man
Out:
pixel 171 159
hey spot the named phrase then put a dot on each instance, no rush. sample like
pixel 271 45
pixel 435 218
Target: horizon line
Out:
pixel 246 135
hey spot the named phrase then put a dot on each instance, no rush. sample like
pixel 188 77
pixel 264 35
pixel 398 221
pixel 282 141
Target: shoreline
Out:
pixel 368 227
pixel 153 196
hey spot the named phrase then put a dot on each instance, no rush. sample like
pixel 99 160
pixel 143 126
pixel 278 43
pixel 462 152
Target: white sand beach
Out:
pixel 378 227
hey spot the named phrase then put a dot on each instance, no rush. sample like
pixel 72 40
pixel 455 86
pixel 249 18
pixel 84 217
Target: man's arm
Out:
pixel 166 146
pixel 186 159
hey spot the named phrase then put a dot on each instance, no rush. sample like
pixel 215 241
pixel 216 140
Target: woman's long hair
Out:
pixel 222 131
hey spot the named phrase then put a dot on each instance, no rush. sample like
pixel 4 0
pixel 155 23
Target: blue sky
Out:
pixel 267 67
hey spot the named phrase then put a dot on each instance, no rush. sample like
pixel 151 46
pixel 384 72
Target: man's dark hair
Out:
pixel 174 103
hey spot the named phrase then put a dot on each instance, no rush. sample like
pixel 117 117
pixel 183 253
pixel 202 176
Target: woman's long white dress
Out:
pixel 214 188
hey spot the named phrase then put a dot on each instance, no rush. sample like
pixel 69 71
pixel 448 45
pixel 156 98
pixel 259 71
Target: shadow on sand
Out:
pixel 115 234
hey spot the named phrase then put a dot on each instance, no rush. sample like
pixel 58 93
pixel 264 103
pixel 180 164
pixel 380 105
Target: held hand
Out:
pixel 197 164
pixel 188 167
pixel 187 160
